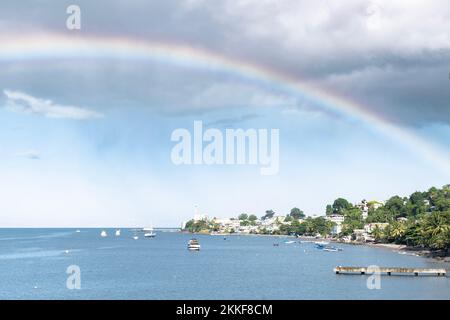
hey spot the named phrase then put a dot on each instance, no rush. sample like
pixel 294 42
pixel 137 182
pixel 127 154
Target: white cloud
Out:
pixel 30 154
pixel 225 95
pixel 22 102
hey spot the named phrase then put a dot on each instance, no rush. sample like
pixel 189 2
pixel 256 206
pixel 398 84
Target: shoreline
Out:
pixel 419 252
pixel 399 248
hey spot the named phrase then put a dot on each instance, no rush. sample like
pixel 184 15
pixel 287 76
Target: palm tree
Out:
pixel 436 229
pixel 378 233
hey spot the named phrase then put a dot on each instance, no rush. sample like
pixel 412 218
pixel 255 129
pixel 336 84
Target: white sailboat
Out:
pixel 149 233
pixel 103 234
pixel 118 233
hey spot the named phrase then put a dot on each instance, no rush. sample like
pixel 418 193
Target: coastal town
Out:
pixel 273 224
pixel 420 220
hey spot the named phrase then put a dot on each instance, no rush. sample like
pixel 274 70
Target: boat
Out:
pixel 149 233
pixel 289 242
pixel 103 234
pixel 321 244
pixel 118 233
pixel 332 249
pixel 135 236
pixel 193 245
pixel 78 231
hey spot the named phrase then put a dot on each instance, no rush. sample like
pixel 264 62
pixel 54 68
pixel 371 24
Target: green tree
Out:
pixel 243 216
pixel 252 218
pixel 395 206
pixel 378 234
pixel 352 220
pixel 321 226
pixel 329 209
pixel 296 213
pixel 269 214
pixel 396 232
pixel 245 223
pixel 435 229
pixel 340 205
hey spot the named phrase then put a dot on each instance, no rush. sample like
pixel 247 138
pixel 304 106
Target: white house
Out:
pixel 363 206
pixel 369 227
pixel 338 219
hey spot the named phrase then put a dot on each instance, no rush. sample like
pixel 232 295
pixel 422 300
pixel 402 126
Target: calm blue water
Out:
pixel 33 265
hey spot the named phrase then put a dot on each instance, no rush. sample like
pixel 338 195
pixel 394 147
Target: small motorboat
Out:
pixel 103 234
pixel 193 245
pixel 78 231
pixel 118 233
pixel 321 244
pixel 289 242
pixel 331 249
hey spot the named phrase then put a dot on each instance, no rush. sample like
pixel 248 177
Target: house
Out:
pixel 200 217
pixel 363 206
pixel 337 219
pixel 369 227
pixel 362 235
pixel 374 204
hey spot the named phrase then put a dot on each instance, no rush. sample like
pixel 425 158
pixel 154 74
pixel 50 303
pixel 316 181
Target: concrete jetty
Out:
pixel 390 271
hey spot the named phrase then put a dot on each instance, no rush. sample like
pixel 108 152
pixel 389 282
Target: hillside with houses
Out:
pixel 420 220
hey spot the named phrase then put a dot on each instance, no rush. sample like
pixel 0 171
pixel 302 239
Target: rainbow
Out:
pixel 68 46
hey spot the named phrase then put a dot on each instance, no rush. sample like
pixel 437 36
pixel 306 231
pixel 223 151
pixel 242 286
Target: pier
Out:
pixel 391 271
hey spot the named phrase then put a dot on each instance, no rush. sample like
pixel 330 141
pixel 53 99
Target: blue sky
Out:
pixel 98 154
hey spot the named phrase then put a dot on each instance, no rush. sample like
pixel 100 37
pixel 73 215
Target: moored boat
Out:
pixel 331 249
pixel 103 234
pixel 321 243
pixel 149 233
pixel 193 245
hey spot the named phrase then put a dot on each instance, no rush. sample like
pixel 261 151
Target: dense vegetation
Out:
pixel 422 219
pixel 428 219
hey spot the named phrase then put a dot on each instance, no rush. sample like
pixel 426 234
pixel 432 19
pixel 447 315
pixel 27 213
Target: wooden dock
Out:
pixel 390 271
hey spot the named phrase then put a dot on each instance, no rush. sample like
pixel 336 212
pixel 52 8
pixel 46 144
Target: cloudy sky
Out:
pixel 85 138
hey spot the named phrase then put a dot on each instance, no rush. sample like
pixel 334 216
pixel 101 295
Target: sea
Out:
pixel 66 264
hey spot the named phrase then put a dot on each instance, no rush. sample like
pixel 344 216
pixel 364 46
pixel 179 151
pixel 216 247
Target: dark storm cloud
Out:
pixel 389 57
